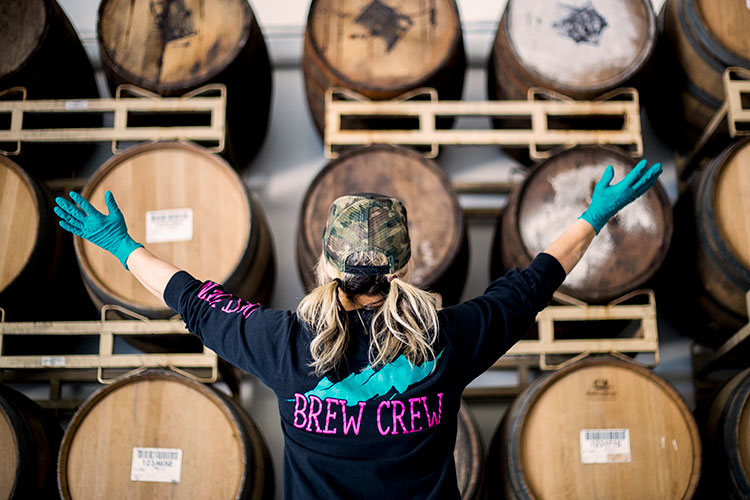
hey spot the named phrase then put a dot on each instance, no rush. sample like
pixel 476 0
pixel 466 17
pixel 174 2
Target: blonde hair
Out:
pixel 405 322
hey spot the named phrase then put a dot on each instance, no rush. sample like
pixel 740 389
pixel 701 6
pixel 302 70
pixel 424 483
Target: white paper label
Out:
pixel 164 226
pixel 53 360
pixel 605 446
pixel 76 105
pixel 159 465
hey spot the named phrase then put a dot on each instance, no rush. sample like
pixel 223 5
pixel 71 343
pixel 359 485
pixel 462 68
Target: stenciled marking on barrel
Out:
pixel 172 18
pixel 582 25
pixel 385 22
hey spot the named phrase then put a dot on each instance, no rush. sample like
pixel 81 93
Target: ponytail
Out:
pixel 405 323
pixel 320 309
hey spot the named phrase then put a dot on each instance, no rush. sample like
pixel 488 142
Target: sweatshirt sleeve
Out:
pixel 252 337
pixel 483 329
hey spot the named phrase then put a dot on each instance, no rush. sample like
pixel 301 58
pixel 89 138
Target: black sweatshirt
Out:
pixel 361 432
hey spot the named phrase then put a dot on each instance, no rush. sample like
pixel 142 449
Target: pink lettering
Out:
pixel 415 414
pixel 314 414
pixel 398 418
pixel 217 296
pixel 207 287
pixel 227 309
pixel 300 412
pixel 380 427
pixel 435 418
pixel 350 423
pixel 248 309
pixel 330 415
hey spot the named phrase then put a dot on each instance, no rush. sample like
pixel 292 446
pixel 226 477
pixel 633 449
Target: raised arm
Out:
pixel 111 233
pixel 487 326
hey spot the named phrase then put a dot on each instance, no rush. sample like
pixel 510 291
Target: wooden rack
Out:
pixel 129 100
pixel 527 355
pixel 541 106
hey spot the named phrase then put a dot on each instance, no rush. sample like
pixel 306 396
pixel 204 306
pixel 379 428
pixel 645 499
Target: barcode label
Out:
pixel 53 360
pixel 606 435
pixel 160 465
pixel 605 446
pixel 163 226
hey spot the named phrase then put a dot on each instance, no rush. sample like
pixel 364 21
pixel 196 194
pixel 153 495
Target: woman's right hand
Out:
pixel 106 231
pixel 608 199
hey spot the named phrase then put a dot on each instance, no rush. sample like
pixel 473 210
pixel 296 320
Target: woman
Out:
pixel 368 372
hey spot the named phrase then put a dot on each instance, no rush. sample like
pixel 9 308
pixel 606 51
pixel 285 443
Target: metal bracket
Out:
pixel 736 341
pixel 540 108
pixel 527 355
pixel 209 100
pixel 645 341
pixel 736 85
pixel 106 330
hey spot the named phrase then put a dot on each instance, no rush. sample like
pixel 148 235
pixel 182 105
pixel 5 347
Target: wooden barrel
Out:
pixel 722 218
pixel 42 52
pixel 712 240
pixel 468 455
pixel 580 48
pixel 30 440
pixel 176 47
pixel 382 50
pixel 701 38
pixel 598 428
pixel 188 207
pixel 439 246
pixel 36 258
pixel 726 434
pixel 27 232
pixel 135 439
pixel 628 250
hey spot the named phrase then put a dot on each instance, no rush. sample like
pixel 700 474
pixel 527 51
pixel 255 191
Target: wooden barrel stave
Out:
pixel 699 41
pixel 532 49
pixel 516 67
pixel 562 186
pixel 52 64
pixel 155 419
pixel 438 250
pixel 30 441
pixel 393 66
pixel 725 434
pixel 469 455
pixel 596 394
pixel 237 57
pixel 711 237
pixel 231 243
pixel 36 257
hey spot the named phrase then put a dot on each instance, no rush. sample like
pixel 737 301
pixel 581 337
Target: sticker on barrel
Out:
pixel 157 465
pixel 605 446
pixel 166 226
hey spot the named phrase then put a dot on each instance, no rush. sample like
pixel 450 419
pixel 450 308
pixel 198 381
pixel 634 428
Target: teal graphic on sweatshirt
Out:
pixel 369 384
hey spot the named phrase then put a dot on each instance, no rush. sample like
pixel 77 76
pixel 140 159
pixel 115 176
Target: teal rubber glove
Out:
pixel 106 231
pixel 608 199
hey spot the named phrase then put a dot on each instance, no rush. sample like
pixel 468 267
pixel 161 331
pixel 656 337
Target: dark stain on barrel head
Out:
pixel 582 24
pixel 385 22
pixel 172 18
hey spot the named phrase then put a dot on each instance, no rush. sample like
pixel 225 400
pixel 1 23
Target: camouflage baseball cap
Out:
pixel 366 222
